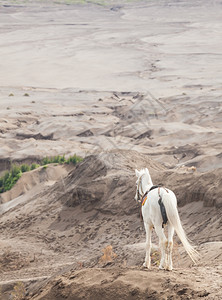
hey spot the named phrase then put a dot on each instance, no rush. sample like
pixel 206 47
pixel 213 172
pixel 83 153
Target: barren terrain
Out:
pixel 125 85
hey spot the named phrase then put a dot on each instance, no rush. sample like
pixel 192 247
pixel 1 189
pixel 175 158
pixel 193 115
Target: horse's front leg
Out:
pixel 148 229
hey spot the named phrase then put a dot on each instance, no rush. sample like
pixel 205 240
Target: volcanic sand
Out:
pixel 126 85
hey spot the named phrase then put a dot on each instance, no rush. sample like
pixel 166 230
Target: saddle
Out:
pixel 162 207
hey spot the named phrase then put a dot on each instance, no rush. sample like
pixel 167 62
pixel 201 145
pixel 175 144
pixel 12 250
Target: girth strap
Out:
pixel 162 208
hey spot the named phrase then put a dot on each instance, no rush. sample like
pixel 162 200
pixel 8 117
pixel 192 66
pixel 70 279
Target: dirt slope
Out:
pixel 65 228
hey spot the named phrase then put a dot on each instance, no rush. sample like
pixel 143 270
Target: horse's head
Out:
pixel 143 180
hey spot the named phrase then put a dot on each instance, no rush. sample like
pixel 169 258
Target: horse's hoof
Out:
pixel 145 265
pixel 161 268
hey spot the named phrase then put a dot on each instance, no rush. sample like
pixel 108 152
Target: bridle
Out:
pixel 139 186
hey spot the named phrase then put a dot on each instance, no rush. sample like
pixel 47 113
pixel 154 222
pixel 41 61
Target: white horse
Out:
pixel 152 217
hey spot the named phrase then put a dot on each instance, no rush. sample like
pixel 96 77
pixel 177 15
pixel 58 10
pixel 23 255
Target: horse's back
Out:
pixel 151 209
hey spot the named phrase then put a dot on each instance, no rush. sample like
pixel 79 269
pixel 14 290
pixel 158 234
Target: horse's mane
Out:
pixel 145 171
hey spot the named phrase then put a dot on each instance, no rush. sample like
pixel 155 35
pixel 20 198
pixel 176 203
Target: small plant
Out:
pixel 34 166
pixel 55 159
pixel 10 178
pixel 62 159
pixel 74 159
pixel 11 95
pixel 25 168
pixel 15 170
pixel 108 255
pixel 18 292
pixel 45 161
pixel 26 95
pixel 155 258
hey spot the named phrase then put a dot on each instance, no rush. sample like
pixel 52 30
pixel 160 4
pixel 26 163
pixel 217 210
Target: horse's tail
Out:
pixel 170 204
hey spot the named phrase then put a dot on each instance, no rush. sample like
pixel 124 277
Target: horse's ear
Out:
pixel 147 171
pixel 137 173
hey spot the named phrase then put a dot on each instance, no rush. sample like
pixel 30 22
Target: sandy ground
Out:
pixel 126 85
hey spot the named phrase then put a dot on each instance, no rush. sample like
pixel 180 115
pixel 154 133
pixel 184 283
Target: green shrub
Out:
pixel 61 160
pixel 25 168
pixel 15 169
pixel 45 161
pixel 6 176
pixel 74 159
pixel 55 159
pixel 8 180
pixel 34 166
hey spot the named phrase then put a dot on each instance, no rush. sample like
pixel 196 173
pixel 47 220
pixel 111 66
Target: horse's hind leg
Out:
pixel 148 229
pixel 163 245
pixel 169 265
